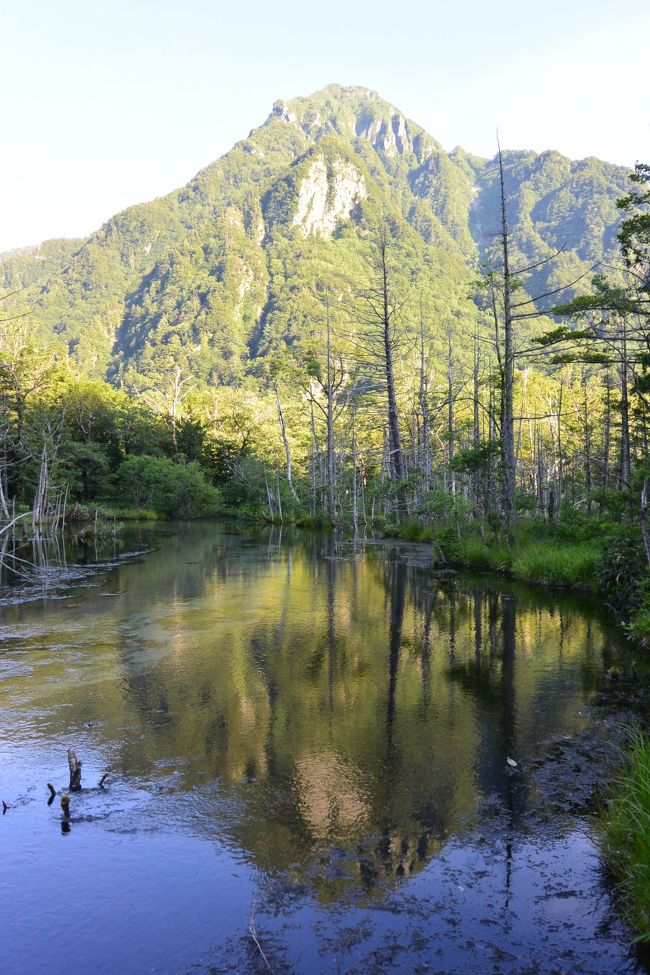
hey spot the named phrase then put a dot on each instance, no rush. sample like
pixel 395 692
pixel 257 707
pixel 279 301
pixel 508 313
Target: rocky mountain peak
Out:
pixel 351 112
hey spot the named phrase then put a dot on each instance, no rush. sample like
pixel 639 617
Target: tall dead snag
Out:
pixel 168 398
pixel 506 313
pixel 645 531
pixel 285 441
pixel 4 507
pixel 75 771
pixel 476 423
pixel 423 403
pixel 41 498
pixel 331 500
pixel 508 457
pixel 586 439
pixel 451 447
pixel 626 455
pixel 397 460
pixel 329 382
pixel 379 317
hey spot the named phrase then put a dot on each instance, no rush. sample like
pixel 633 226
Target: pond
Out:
pixel 322 756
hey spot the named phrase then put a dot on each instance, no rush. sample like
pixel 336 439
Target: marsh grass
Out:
pixel 128 512
pixel 558 562
pixel 484 556
pixel 411 531
pixel 626 820
pixel 538 556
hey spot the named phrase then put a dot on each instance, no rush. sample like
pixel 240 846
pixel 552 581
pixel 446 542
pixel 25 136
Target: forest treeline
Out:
pixel 514 437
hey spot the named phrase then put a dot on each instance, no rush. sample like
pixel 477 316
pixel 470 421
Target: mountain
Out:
pixel 225 270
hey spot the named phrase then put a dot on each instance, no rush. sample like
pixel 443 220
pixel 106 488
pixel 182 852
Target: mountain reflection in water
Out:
pixel 329 712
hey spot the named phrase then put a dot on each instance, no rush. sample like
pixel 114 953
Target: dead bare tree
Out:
pixel 285 442
pixel 379 315
pixel 167 399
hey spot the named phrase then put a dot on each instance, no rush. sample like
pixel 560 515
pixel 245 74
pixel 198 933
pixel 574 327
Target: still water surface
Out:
pixel 304 736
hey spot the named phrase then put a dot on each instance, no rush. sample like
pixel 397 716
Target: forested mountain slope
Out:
pixel 227 270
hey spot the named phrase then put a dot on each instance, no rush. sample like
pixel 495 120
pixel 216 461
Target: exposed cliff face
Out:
pixel 387 135
pixel 328 195
pixel 281 111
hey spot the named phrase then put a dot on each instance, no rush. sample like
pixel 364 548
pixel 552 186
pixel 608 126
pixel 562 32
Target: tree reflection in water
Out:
pixel 335 711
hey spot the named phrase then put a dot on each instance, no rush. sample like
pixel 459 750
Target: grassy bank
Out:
pixel 601 558
pixel 122 512
pixel 626 821
pixel 538 554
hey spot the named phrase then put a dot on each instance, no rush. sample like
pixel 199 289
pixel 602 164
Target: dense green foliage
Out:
pixel 178 490
pixel 99 444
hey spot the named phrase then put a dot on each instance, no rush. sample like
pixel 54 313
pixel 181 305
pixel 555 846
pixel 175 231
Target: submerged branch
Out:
pixel 252 930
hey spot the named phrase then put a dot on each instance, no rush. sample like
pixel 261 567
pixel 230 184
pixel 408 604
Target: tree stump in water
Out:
pixel 75 771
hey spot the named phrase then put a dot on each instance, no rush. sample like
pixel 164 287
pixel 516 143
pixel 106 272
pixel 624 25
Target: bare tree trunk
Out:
pixel 177 387
pixel 560 448
pixel 626 461
pixel 279 496
pixel 41 498
pixel 4 508
pixel 269 498
pixel 607 431
pixel 541 478
pixel 75 771
pixel 355 501
pixel 476 426
pixel 331 499
pixel 425 456
pixel 395 441
pixel 508 460
pixel 450 414
pixel 524 394
pixel 314 449
pixel 285 441
pixel 587 436
pixel 645 533
pixel 491 487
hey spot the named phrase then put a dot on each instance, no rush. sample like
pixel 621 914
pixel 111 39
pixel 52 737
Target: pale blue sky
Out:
pixel 106 103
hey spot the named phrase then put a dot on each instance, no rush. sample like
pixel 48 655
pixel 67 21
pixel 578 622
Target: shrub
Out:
pixel 86 470
pixel 447 509
pixel 639 625
pixel 411 531
pixel 623 568
pixel 175 490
